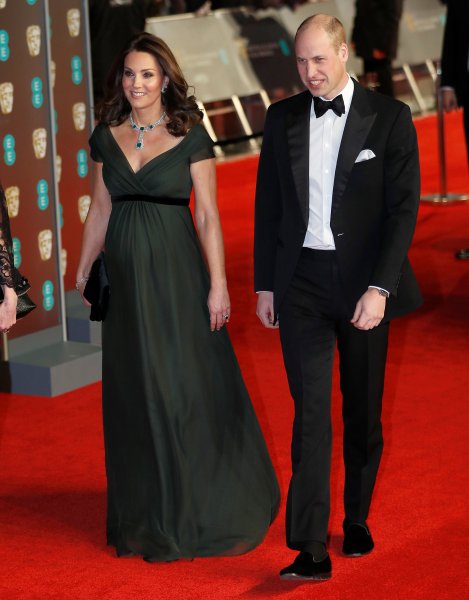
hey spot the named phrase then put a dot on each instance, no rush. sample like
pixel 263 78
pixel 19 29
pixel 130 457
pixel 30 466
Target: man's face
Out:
pixel 58 167
pixel 321 67
pixel 83 207
pixel 40 142
pixel 53 70
pixel 45 244
pixel 79 115
pixel 12 195
pixel 73 22
pixel 6 97
pixel 33 38
pixel 63 261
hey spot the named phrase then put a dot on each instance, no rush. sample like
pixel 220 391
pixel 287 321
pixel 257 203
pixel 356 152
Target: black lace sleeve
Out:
pixel 8 274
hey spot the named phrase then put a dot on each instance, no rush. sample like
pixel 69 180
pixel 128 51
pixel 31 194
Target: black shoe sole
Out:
pixel 296 577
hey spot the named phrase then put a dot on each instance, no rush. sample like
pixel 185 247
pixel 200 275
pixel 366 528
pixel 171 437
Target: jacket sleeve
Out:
pixel 268 210
pixel 402 197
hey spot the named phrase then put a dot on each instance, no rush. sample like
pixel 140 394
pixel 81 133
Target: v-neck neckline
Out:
pixel 151 159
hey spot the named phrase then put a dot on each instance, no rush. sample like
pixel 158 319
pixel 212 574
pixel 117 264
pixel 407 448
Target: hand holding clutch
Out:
pixel 24 305
pixel 97 289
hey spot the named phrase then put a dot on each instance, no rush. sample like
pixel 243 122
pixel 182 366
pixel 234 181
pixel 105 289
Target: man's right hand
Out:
pixel 265 309
pixel 450 102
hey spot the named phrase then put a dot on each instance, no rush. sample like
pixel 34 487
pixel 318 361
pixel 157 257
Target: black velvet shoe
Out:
pixel 357 540
pixel 304 568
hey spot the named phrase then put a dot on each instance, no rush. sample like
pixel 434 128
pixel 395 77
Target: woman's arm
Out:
pixel 94 231
pixel 209 229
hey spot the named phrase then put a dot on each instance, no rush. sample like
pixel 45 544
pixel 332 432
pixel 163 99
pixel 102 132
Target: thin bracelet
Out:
pixel 80 281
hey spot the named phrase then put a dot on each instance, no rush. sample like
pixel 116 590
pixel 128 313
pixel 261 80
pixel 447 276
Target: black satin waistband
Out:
pixel 154 199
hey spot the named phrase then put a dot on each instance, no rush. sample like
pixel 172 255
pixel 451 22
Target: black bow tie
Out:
pixel 321 106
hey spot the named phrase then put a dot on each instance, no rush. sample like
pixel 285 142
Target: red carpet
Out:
pixel 52 496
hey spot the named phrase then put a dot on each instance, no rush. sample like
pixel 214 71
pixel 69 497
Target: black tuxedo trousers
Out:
pixel 314 319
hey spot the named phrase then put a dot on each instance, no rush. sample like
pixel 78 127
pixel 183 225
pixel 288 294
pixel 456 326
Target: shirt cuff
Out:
pixel 380 289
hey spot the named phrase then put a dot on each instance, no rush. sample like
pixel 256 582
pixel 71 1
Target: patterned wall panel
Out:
pixel 69 69
pixel 26 155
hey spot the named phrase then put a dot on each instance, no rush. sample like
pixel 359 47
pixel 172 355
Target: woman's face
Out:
pixel 142 80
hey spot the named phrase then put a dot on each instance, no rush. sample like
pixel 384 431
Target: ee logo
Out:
pixel 48 295
pixel 36 88
pixel 77 74
pixel 82 163
pixel 9 154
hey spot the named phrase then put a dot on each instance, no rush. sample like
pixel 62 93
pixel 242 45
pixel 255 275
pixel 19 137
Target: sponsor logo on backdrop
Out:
pixel 31 2
pixel 48 295
pixel 6 97
pixel 9 154
pixel 12 195
pixel 3 3
pixel 36 88
pixel 42 188
pixel 73 22
pixel 33 39
pixel 83 207
pixel 16 252
pixel 77 74
pixel 61 215
pixel 58 168
pixel 82 163
pixel 40 142
pixel 79 115
pixel 63 261
pixel 44 240
pixel 4 47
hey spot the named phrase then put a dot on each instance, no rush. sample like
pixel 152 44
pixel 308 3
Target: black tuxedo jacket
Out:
pixel 455 51
pixel 374 204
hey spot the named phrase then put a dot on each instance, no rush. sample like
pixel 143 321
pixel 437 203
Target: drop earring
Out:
pixel 163 93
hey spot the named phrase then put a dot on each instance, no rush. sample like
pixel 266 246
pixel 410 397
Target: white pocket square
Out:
pixel 365 155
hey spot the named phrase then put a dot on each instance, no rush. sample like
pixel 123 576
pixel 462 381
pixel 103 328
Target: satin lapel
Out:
pixel 298 146
pixel 359 122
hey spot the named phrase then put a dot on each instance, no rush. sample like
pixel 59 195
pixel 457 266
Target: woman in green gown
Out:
pixel 188 472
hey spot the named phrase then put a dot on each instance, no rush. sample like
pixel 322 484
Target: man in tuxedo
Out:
pixel 455 68
pixel 375 35
pixel 336 205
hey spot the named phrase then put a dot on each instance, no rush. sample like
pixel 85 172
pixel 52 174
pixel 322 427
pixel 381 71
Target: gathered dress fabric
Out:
pixel 188 471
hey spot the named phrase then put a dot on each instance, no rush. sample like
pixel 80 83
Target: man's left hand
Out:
pixel 369 311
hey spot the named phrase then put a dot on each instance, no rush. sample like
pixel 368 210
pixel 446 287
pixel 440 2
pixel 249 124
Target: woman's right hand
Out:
pixel 218 307
pixel 80 287
pixel 8 309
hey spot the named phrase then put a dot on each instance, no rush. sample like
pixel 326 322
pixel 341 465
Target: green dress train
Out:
pixel 187 467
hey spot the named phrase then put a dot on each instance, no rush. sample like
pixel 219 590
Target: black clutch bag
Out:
pixel 24 305
pixel 97 289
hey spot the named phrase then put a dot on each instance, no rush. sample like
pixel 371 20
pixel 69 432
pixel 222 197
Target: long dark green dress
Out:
pixel 187 468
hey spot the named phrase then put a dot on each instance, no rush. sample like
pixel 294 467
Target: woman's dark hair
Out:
pixel 181 109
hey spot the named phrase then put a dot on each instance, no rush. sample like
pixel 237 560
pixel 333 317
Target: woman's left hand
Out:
pixel 219 307
pixel 8 309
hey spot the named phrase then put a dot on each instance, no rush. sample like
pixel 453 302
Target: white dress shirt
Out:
pixel 325 136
